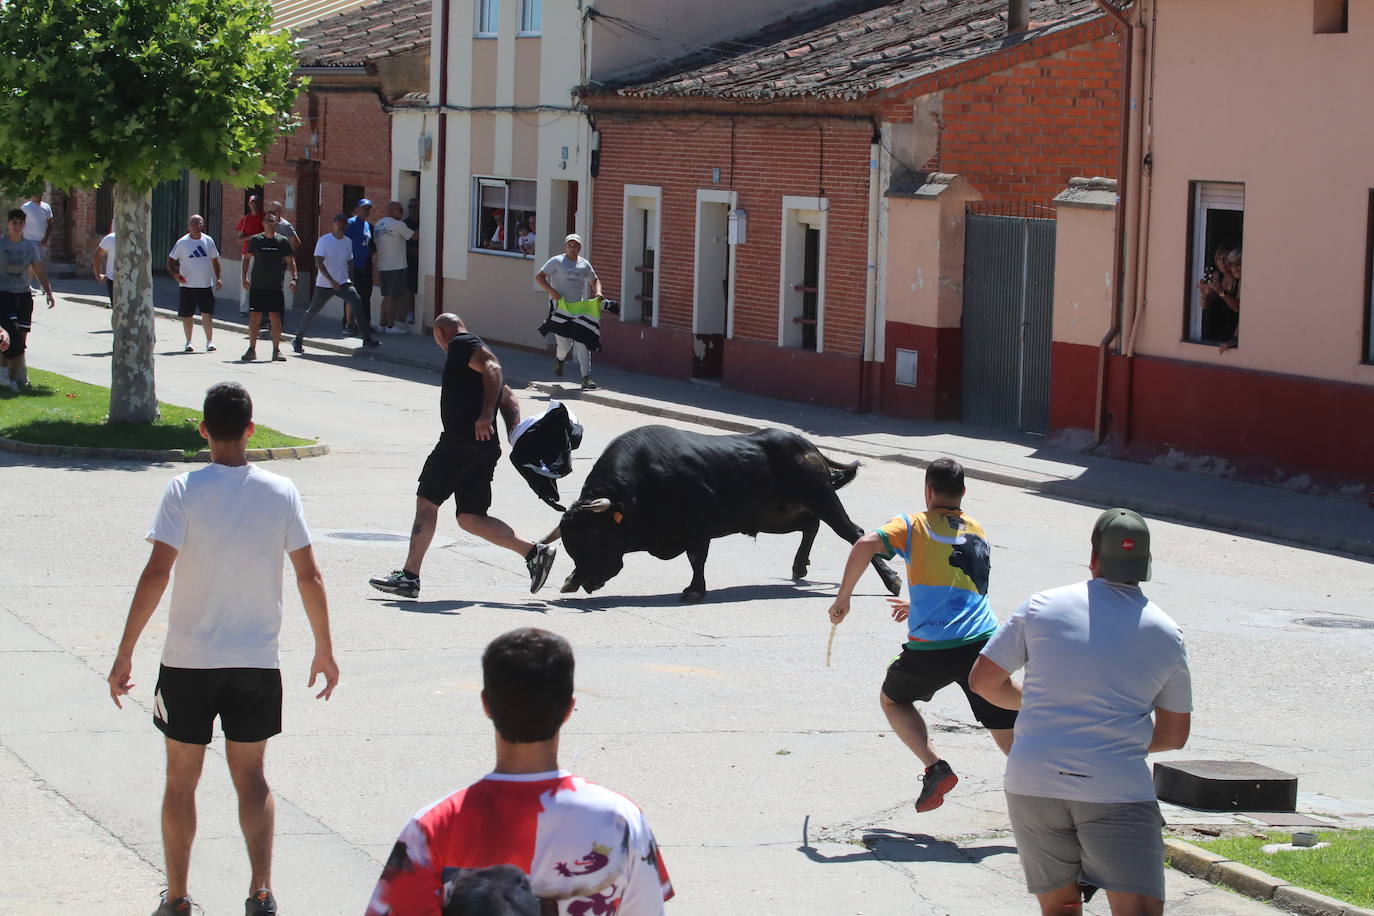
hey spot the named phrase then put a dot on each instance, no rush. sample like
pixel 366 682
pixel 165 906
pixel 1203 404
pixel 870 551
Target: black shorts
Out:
pixel 196 299
pixel 266 300
pixel 16 317
pixel 917 674
pixel 462 470
pixel 247 701
pixel 394 283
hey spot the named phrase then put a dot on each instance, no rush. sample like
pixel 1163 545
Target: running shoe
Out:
pixel 278 356
pixel 189 349
pixel 260 904
pixel 936 781
pixel 182 906
pixel 398 583
pixel 539 564
pixel 371 343
pixel 249 355
pixel 558 368
pixel 209 347
pixel 588 384
pixel 297 345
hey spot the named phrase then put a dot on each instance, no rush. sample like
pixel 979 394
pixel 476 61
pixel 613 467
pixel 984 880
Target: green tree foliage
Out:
pixel 133 92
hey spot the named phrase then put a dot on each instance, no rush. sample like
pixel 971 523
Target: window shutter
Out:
pixel 1217 196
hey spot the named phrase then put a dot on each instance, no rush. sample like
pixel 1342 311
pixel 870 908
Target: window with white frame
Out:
pixel 801 305
pixel 639 258
pixel 531 16
pixel 503 216
pixel 1214 277
pixel 487 16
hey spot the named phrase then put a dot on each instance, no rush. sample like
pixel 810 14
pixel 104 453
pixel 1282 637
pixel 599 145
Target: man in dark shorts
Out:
pixel 194 263
pixel 221 658
pixel 18 257
pixel 948 618
pixel 463 462
pixel 265 264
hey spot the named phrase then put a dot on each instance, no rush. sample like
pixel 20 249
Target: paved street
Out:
pixel 771 781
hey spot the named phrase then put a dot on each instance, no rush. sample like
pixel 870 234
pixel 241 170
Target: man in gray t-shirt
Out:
pixel 1106 683
pixel 18 257
pixel 575 293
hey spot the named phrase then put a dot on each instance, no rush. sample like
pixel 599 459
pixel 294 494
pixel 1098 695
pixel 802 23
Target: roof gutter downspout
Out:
pixel 1125 200
pixel 867 357
pixel 1144 192
pixel 442 152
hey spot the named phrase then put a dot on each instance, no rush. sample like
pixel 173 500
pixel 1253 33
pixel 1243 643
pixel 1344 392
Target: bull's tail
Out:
pixel 840 474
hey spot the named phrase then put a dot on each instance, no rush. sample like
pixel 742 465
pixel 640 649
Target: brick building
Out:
pixel 760 213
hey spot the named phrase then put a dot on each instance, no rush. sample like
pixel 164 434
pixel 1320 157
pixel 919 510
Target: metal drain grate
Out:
pixel 1337 623
pixel 365 536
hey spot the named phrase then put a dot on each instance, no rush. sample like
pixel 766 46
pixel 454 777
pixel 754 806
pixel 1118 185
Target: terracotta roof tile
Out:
pixel 848 49
pixel 370 32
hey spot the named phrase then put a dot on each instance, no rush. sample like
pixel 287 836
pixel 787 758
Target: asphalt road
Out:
pixel 771 781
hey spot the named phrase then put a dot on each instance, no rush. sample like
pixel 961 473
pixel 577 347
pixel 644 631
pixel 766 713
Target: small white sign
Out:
pixel 906 368
pixel 289 196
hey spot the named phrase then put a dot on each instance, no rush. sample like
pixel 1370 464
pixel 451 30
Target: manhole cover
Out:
pixel 1337 623
pixel 364 536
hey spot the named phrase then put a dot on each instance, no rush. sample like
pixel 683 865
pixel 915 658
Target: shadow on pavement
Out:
pixel 713 596
pixel 451 607
pixel 892 846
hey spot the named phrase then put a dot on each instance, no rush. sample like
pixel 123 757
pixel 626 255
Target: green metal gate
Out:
pixel 169 218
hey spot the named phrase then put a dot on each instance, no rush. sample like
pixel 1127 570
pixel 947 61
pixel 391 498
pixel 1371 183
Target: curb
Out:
pixel 1057 488
pixel 1201 863
pixel 154 454
pixel 1051 487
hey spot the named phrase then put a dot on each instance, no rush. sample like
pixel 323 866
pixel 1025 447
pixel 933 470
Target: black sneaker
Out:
pixel 278 356
pixel 539 565
pixel 398 583
pixel 182 906
pixel 371 343
pixel 588 384
pixel 297 345
pixel 261 903
pixel 249 355
pixel 350 330
pixel 558 368
pixel 937 780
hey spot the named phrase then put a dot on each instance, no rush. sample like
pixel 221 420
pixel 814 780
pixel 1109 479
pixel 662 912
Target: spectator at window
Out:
pixel 527 238
pixel 1220 297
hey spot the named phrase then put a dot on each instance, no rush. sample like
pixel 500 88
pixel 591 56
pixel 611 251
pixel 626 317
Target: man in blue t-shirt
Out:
pixel 359 232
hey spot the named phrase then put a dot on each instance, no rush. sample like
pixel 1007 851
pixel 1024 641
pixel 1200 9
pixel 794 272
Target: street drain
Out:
pixel 375 538
pixel 365 536
pixel 1337 623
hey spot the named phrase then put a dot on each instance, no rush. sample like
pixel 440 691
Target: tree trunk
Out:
pixel 133 398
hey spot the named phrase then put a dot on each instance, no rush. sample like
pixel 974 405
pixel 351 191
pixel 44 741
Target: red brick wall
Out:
pixel 1020 134
pixel 772 157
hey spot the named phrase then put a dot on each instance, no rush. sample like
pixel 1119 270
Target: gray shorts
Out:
pixel 1117 846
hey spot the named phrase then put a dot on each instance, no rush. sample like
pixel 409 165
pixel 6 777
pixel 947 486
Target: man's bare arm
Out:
pixel 151 584
pixel 1171 730
pixel 860 555
pixel 485 362
pixel 993 683
pixel 310 584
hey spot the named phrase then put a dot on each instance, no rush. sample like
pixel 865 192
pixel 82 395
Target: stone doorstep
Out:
pixel 1202 863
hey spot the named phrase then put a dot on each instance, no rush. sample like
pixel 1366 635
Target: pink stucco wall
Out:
pixel 1243 91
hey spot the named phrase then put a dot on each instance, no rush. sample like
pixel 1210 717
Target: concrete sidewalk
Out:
pixel 1333 524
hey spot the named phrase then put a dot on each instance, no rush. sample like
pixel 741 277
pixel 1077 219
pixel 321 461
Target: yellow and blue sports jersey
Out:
pixel 947 564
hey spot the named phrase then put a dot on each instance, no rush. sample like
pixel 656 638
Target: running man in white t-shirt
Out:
pixel 194 263
pixel 584 849
pixel 224 527
pixel 333 255
pixel 1106 683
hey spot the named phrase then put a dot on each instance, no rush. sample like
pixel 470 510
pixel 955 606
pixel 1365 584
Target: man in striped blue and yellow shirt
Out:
pixel 947 614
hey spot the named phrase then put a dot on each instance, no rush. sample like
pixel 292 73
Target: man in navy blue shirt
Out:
pixel 359 232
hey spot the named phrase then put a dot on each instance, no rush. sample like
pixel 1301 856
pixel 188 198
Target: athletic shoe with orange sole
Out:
pixel 936 781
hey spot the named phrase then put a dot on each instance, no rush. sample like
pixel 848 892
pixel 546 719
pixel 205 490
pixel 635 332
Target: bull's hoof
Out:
pixel 570 584
pixel 692 597
pixel 891 580
pixel 799 572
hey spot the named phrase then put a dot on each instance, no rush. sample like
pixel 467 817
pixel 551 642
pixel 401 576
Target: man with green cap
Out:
pixel 1106 683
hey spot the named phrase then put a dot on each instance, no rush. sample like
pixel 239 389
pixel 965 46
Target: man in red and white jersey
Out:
pixel 585 848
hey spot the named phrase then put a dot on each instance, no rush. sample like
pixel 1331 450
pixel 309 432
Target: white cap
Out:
pixel 573 237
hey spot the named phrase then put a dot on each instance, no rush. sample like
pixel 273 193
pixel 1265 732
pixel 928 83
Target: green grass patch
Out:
pixel 1344 870
pixel 58 410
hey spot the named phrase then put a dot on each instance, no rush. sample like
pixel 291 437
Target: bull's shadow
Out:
pixel 731 593
pixel 894 846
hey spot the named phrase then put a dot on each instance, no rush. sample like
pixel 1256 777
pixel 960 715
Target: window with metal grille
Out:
pixel 639 259
pixel 503 219
pixel 801 308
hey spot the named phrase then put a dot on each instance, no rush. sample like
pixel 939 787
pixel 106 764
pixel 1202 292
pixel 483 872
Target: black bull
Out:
pixel 666 491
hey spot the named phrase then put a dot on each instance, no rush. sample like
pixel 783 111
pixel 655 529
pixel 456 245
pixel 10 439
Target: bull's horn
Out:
pixel 598 505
